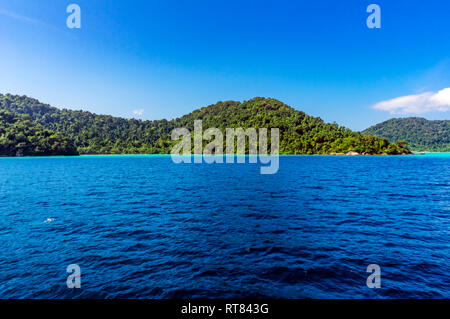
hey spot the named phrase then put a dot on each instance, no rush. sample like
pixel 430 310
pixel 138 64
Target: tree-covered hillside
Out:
pixel 102 134
pixel 299 132
pixel 21 137
pixel 92 133
pixel 421 134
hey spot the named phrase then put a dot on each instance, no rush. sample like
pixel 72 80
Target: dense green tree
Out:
pixel 103 134
pixel 419 133
pixel 19 136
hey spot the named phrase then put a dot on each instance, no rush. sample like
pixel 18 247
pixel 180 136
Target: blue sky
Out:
pixel 166 58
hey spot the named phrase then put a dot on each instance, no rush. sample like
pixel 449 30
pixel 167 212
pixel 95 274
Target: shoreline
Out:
pixel 246 155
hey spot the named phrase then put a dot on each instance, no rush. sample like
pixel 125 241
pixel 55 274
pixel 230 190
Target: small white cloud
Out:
pixel 138 112
pixel 417 103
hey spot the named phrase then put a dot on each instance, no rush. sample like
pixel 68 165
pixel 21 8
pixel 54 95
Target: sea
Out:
pixel 146 227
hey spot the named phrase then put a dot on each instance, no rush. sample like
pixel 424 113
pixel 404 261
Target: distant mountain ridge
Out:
pixel 103 134
pixel 421 134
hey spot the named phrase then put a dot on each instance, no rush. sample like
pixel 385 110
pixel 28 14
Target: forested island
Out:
pixel 28 127
pixel 420 134
pixel 19 136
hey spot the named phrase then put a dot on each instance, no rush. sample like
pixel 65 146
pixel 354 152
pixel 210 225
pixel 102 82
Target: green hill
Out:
pixel 103 134
pixel 419 133
pixel 21 137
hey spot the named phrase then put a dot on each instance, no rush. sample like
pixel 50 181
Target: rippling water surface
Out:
pixel 144 227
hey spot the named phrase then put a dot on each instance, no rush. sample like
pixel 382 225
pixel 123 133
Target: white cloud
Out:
pixel 417 103
pixel 138 112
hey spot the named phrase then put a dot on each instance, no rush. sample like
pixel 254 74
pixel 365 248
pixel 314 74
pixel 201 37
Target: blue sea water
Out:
pixel 144 227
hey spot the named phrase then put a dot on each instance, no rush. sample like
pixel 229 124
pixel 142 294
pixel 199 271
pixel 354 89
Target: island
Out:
pixel 31 128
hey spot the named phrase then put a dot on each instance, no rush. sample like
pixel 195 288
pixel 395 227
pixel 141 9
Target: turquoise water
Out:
pixel 144 227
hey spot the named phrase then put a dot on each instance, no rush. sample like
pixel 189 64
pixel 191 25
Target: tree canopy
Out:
pixel 103 134
pixel 419 133
pixel 19 136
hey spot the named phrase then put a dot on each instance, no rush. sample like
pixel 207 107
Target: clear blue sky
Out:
pixel 170 57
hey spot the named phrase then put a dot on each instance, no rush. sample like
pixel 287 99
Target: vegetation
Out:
pixel 419 133
pixel 299 133
pixel 102 134
pixel 21 137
